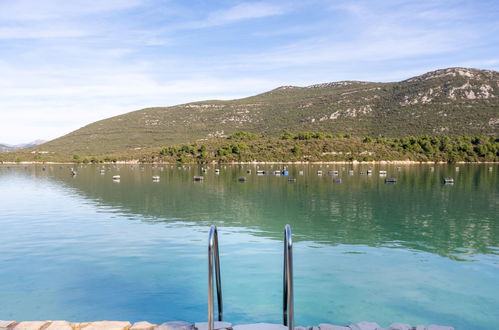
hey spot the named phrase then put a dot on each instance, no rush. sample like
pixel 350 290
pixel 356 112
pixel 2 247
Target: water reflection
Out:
pixel 418 212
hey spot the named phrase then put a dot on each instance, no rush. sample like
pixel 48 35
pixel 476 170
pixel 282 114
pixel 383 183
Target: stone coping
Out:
pixel 181 325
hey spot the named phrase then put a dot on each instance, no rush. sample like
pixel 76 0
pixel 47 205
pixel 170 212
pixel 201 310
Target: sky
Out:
pixel 65 64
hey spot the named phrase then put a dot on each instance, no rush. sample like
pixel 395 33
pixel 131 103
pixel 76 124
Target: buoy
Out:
pixel 449 180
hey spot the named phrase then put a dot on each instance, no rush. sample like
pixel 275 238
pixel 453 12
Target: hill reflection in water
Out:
pixel 418 212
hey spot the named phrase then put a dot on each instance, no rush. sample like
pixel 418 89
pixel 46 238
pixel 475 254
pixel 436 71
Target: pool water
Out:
pixel 86 248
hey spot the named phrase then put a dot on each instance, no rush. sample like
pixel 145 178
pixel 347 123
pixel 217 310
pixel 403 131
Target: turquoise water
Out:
pixel 87 248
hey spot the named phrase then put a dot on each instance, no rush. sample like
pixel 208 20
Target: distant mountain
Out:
pixel 454 101
pixel 8 148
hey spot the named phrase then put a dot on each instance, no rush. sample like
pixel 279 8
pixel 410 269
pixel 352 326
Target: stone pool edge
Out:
pixel 180 325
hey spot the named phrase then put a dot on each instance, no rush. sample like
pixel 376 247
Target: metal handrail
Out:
pixel 287 296
pixel 213 256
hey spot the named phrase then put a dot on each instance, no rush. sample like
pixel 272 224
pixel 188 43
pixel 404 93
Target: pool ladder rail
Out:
pixel 288 312
pixel 214 260
pixel 214 263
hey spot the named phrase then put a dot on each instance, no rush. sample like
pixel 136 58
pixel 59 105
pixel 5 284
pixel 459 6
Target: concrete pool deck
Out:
pixel 180 325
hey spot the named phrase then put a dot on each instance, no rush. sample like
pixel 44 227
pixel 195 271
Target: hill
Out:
pixel 454 102
pixel 9 148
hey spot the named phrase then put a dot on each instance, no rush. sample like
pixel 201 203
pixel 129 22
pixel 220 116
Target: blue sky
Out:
pixel 64 64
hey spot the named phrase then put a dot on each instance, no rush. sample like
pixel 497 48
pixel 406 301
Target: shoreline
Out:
pixel 136 162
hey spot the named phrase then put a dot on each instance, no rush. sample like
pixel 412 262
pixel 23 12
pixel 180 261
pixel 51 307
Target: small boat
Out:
pixel 449 180
pixel 116 177
pixel 260 172
pixel 156 178
pixel 242 179
pixel 490 169
pixel 337 180
pixel 369 172
pixel 291 180
pixel 285 172
pixel 198 178
pixel 276 172
pixel 301 172
pixel 248 171
pixel 350 172
pixel 382 173
pixel 390 180
pixel 217 171
pixel 319 172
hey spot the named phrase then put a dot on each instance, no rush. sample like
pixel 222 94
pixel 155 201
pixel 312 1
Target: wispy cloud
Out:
pixel 29 10
pixel 239 12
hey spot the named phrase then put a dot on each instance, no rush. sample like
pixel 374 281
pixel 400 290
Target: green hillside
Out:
pixel 454 102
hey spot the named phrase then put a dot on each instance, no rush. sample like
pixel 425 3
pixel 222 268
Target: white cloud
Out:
pixel 28 10
pixel 239 12
pixel 44 32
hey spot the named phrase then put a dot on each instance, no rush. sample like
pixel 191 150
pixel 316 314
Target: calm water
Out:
pixel 87 248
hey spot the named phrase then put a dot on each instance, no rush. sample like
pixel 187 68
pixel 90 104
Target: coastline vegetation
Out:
pixel 307 146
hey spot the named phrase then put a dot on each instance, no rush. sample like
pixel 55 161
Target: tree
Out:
pixel 296 150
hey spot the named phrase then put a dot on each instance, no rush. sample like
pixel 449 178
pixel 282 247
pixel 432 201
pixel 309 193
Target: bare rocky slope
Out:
pixel 454 101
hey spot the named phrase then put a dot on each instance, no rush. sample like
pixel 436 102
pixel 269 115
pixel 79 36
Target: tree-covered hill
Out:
pixel 452 102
